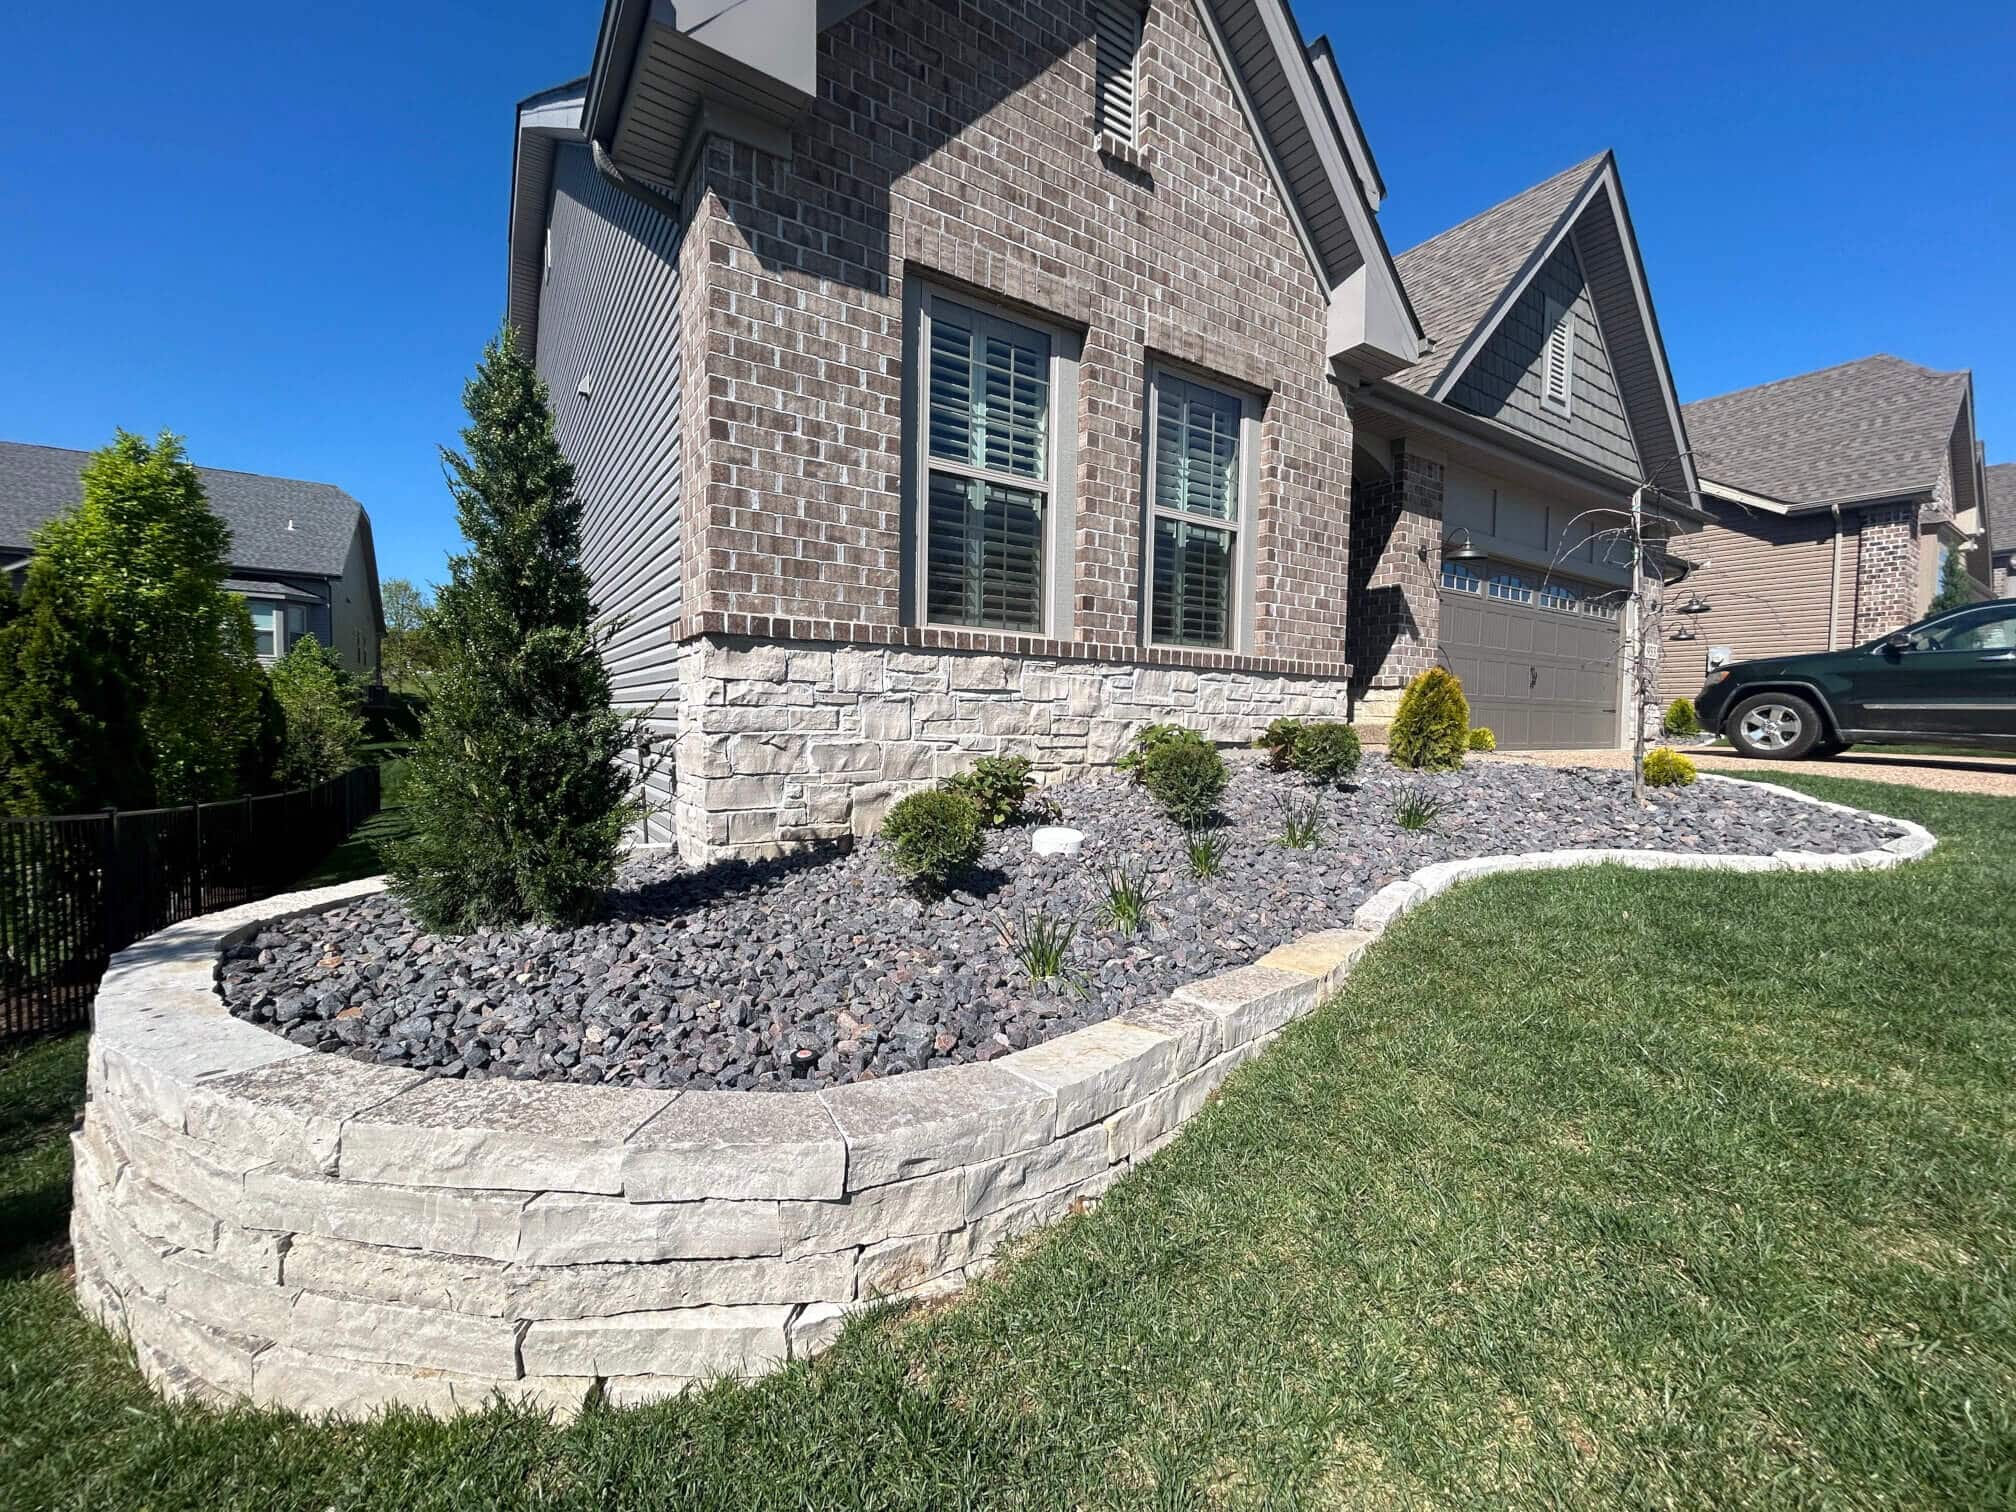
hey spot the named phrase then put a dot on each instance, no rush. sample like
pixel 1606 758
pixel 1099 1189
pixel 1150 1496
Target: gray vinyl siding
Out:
pixel 1503 382
pixel 351 619
pixel 609 315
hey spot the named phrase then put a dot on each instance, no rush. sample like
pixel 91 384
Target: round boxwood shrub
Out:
pixel 1151 738
pixel 1667 768
pixel 1681 718
pixel 1432 728
pixel 1278 741
pixel 1186 777
pixel 1481 739
pixel 1325 752
pixel 932 837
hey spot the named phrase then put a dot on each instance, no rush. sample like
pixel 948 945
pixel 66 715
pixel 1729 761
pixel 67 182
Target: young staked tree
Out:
pixel 518 796
pixel 323 720
pixel 127 674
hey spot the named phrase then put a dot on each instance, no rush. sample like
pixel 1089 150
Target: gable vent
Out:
pixel 1116 49
pixel 1558 382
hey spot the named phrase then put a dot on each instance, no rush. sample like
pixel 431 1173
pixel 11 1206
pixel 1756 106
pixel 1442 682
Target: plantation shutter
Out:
pixel 988 398
pixel 1195 468
pixel 1559 383
pixel 1116 51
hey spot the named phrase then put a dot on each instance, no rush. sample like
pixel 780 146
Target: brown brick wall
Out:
pixel 1396 603
pixel 954 142
pixel 1886 575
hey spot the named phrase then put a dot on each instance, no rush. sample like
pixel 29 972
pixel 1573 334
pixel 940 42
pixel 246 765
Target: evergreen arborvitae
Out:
pixel 1431 728
pixel 517 792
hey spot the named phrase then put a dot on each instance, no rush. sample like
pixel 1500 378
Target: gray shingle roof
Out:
pixel 2002 507
pixel 278 525
pixel 1454 279
pixel 1877 428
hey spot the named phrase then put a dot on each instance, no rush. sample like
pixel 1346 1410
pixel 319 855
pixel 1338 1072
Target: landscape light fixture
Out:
pixel 802 1062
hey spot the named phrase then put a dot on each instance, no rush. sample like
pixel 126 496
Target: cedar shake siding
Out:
pixel 610 325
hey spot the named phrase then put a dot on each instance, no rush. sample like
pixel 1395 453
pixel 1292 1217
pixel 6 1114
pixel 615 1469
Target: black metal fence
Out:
pixel 77 887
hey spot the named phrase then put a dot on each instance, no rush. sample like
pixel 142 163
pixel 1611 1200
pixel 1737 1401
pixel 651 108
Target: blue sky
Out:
pixel 280 230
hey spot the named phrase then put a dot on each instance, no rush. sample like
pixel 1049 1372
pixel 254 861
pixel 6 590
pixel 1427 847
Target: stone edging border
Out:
pixel 268 1222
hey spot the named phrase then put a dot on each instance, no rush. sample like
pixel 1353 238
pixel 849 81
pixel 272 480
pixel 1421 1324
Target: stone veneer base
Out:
pixel 262 1221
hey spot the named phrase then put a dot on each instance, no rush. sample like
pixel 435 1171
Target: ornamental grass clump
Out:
pixel 932 838
pixel 1681 720
pixel 1326 753
pixel 1041 946
pixel 998 786
pixel 1205 849
pixel 1128 895
pixel 1417 810
pixel 1665 767
pixel 1481 739
pixel 1186 777
pixel 1301 824
pixel 1432 727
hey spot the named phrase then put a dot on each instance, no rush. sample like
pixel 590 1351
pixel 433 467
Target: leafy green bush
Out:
pixel 1681 718
pixel 1481 739
pixel 1278 741
pixel 1325 752
pixel 323 725
pixel 998 785
pixel 1667 768
pixel 933 837
pixel 1432 727
pixel 1151 738
pixel 1186 777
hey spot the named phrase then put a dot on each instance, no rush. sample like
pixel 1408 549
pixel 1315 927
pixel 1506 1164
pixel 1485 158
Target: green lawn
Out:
pixel 1875 748
pixel 1597 1188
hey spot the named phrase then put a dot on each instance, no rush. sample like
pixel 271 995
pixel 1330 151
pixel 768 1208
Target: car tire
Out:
pixel 1774 727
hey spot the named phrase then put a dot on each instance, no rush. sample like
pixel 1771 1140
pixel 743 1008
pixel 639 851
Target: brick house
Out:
pixel 2001 515
pixel 1834 498
pixel 951 378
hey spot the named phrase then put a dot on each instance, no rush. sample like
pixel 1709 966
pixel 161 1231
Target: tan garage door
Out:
pixel 1539 664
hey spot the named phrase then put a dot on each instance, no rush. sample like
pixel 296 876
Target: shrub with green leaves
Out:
pixel 1326 752
pixel 1481 739
pixel 1151 738
pixel 999 787
pixel 1278 741
pixel 932 837
pixel 1186 777
pixel 1665 767
pixel 323 721
pixel 1681 720
pixel 1431 729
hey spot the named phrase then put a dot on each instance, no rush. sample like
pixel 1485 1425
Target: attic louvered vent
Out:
pixel 1116 49
pixel 1558 382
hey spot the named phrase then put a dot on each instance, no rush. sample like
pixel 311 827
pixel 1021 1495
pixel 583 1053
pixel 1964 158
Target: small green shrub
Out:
pixel 1481 739
pixel 1205 849
pixel 1667 768
pixel 1128 895
pixel 1432 727
pixel 1417 811
pixel 1278 741
pixel 1326 752
pixel 1152 738
pixel 1186 777
pixel 1301 824
pixel 932 837
pixel 1041 946
pixel 1681 718
pixel 999 787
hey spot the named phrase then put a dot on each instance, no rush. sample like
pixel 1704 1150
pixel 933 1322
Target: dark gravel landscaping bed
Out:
pixel 714 978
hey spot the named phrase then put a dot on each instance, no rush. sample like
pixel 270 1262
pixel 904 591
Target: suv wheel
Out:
pixel 1774 726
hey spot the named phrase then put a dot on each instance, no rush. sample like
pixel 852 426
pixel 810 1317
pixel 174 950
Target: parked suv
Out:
pixel 1950 679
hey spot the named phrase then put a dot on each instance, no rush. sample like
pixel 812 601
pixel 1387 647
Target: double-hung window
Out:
pixel 265 628
pixel 1197 501
pixel 989 468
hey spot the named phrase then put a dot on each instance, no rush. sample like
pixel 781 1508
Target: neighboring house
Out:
pixel 1493 480
pixel 2001 482
pixel 301 553
pixel 1835 498
pixel 951 378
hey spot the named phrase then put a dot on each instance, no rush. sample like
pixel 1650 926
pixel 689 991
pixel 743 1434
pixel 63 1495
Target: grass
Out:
pixel 1592 1189
pixel 362 855
pixel 1877 748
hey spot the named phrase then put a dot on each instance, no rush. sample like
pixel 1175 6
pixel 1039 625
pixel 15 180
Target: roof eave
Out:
pixel 550 116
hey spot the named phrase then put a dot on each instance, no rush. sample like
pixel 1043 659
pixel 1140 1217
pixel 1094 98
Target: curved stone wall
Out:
pixel 309 1232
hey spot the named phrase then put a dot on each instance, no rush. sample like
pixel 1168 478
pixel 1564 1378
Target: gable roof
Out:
pixel 1464 281
pixel 2002 507
pixel 278 525
pixel 1877 428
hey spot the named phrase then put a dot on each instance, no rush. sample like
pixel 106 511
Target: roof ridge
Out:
pixel 232 472
pixel 1834 367
pixel 1586 168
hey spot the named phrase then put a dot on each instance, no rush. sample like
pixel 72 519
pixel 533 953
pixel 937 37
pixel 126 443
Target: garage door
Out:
pixel 1538 663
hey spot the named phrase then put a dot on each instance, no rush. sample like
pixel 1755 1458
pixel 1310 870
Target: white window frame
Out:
pixel 1239 616
pixel 1558 342
pixel 1509 587
pixel 1461 577
pixel 1061 446
pixel 290 624
pixel 1121 20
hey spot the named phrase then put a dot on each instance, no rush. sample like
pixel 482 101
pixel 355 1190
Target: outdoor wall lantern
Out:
pixel 1457 546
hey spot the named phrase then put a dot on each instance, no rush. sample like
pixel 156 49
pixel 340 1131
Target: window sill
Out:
pixel 1121 152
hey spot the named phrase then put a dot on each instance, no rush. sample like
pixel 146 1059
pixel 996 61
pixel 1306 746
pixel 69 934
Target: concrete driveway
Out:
pixel 1994 776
